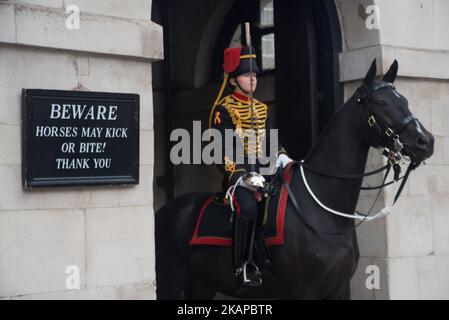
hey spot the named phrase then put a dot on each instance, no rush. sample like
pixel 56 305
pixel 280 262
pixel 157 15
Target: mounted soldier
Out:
pixel 316 253
pixel 250 121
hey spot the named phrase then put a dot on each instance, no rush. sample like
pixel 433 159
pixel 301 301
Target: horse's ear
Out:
pixel 390 76
pixel 371 74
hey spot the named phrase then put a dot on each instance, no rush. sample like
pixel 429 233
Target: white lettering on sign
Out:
pixel 92 147
pixel 68 147
pixel 72 164
pixel 63 111
pixel 91 132
pixel 56 132
pixel 116 133
pixel 83 112
pixel 102 163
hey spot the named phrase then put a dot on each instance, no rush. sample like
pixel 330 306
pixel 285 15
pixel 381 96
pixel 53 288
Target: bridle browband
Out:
pixel 392 151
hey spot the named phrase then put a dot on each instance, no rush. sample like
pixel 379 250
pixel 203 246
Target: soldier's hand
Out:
pixel 283 160
pixel 253 181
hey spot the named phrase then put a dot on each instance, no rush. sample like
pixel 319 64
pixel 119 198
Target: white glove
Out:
pixel 252 181
pixel 283 160
pixel 247 186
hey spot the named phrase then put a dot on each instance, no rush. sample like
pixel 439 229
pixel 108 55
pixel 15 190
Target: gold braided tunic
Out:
pixel 241 118
pixel 233 112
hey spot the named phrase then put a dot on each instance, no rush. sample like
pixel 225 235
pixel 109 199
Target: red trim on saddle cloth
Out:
pixel 225 242
pixel 278 240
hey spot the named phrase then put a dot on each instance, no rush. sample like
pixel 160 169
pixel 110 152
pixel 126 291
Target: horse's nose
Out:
pixel 422 142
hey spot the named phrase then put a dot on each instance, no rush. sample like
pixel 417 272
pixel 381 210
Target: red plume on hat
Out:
pixel 231 59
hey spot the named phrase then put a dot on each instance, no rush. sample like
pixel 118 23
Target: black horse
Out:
pixel 320 255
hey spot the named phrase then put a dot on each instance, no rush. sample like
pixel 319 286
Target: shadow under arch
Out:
pixel 308 41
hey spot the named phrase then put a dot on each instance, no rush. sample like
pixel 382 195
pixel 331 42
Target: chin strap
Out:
pixel 240 87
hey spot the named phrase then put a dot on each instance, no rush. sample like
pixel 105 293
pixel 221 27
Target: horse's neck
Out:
pixel 340 149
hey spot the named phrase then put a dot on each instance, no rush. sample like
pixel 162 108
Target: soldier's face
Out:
pixel 244 81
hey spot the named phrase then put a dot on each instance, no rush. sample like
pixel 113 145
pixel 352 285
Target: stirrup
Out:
pixel 251 282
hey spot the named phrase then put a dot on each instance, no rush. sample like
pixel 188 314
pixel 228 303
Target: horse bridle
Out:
pixel 392 137
pixel 392 151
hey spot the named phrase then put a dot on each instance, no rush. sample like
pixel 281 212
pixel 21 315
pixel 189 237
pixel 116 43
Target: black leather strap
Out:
pixel 346 176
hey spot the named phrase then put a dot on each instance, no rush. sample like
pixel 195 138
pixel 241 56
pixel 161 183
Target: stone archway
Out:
pixel 187 92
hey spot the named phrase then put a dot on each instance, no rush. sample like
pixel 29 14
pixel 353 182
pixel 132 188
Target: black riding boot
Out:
pixel 246 271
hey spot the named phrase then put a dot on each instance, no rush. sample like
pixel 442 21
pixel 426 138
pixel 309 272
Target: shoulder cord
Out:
pixel 230 193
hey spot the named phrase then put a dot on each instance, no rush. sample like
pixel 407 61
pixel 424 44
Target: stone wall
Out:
pixel 410 247
pixel 107 231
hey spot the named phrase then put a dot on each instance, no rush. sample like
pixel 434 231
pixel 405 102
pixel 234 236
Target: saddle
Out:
pixel 214 222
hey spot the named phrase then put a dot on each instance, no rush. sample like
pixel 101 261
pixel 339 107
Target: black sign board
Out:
pixel 79 138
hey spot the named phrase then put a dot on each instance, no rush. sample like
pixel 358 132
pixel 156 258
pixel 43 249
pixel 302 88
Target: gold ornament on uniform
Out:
pixel 241 118
pixel 229 164
pixel 217 120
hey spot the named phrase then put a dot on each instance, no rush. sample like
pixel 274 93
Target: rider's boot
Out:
pixel 246 272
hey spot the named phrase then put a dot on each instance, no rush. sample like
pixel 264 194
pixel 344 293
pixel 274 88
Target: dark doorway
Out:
pixel 308 90
pixel 297 43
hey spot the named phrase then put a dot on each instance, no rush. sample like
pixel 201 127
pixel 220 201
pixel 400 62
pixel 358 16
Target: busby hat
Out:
pixel 236 61
pixel 240 60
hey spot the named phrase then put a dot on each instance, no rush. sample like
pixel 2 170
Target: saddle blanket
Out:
pixel 214 222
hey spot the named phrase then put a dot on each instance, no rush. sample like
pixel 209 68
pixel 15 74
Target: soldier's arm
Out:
pixel 221 121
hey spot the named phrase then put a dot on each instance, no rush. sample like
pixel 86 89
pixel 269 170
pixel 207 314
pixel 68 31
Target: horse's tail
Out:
pixel 170 228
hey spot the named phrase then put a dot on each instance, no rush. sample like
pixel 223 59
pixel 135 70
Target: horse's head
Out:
pixel 388 121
